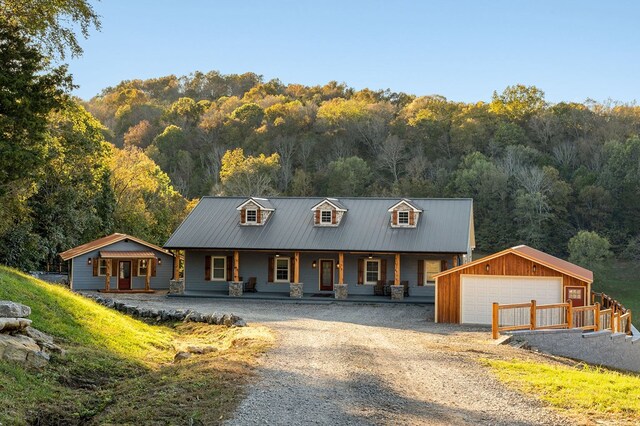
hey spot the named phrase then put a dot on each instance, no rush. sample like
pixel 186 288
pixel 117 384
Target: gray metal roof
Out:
pixel 443 226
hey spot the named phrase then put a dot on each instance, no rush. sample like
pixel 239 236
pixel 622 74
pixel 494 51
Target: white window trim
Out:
pixel 140 273
pixel 100 260
pixel 246 216
pixel 426 277
pixel 365 272
pixel 322 221
pixel 400 223
pixel 224 258
pixel 275 270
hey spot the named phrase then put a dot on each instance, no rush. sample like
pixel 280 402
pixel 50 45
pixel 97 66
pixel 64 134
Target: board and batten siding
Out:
pixel 448 286
pixel 82 272
pixel 256 264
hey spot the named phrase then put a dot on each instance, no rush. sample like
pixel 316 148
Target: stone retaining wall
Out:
pixel 615 350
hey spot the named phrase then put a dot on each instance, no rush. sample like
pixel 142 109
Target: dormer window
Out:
pixel 252 216
pixel 326 217
pixel 404 214
pixel 328 212
pixel 255 211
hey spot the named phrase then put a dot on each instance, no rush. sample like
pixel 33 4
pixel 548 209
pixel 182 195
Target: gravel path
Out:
pixel 339 363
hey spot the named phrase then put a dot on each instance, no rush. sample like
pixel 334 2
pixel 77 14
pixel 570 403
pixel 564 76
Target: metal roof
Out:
pixel 215 224
pixel 106 241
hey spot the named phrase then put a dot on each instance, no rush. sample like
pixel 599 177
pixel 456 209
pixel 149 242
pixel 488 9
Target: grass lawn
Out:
pixel 118 369
pixel 621 280
pixel 582 391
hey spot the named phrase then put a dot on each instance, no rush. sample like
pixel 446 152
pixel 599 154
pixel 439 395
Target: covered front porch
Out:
pixel 124 266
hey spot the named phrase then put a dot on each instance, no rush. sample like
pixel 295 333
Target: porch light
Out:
pixel 277 254
pixel 486 268
pixel 89 261
pixel 338 265
pixel 159 261
pixel 534 268
pixel 314 264
pixel 370 256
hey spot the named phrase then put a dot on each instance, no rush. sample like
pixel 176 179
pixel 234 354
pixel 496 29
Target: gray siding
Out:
pixel 255 264
pixel 82 272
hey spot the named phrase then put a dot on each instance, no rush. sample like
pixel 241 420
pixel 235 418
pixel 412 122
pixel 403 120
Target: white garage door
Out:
pixel 478 294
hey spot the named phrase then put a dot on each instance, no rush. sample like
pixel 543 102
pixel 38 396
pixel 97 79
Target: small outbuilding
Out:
pixel 465 294
pixel 119 263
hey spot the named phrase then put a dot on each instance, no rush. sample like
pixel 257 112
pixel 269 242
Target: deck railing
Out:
pixel 531 316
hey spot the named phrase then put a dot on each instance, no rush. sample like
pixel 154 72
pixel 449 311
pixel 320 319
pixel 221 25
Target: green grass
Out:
pixel 118 369
pixel 621 280
pixel 583 391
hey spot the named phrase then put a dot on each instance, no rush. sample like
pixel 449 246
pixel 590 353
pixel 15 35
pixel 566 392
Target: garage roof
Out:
pixel 538 256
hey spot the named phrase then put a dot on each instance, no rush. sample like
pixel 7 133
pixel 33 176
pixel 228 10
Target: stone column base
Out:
pixel 235 288
pixel 341 290
pixel 397 292
pixel 296 290
pixel 176 286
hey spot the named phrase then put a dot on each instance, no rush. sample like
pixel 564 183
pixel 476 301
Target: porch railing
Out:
pixel 531 316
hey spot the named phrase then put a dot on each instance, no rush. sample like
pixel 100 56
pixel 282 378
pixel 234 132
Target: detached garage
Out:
pixel 519 274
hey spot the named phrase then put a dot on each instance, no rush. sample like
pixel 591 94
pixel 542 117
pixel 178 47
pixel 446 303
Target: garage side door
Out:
pixel 478 294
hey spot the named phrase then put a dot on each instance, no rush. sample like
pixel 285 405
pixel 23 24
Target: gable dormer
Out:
pixel 328 212
pixel 404 214
pixel 255 211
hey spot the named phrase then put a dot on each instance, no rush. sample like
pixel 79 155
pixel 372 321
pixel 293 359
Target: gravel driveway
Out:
pixel 339 363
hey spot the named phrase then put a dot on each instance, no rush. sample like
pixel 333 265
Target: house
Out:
pixel 322 246
pixel 119 262
pixel 465 294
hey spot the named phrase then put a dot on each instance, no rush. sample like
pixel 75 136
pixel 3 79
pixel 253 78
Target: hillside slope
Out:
pixel 118 369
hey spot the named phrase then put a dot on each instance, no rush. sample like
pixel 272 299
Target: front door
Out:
pixel 575 294
pixel 124 275
pixel 326 275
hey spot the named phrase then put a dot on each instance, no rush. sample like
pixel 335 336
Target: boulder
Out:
pixel 43 340
pixel 181 356
pixel 200 350
pixel 22 349
pixel 239 323
pixel 8 325
pixel 10 309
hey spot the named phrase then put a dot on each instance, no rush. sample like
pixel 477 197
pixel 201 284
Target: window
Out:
pixel 102 267
pixel 252 216
pixel 282 269
pixel 431 267
pixel 403 218
pixel 574 293
pixel 326 216
pixel 218 269
pixel 142 267
pixel 372 271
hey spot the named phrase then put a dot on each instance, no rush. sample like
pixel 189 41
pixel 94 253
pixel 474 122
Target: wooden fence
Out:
pixel 531 316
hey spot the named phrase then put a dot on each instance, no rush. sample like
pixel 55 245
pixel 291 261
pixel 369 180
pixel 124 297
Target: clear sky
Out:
pixel 464 50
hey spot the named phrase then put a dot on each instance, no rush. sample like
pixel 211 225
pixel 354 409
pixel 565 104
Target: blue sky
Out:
pixel 464 50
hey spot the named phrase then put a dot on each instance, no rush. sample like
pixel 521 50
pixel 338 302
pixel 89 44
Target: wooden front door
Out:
pixel 124 275
pixel 326 275
pixel 575 294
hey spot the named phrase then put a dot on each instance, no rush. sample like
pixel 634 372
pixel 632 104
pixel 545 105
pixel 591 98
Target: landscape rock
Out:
pixel 10 309
pixel 181 356
pixel 200 350
pixel 8 325
pixel 23 349
pixel 239 323
pixel 43 340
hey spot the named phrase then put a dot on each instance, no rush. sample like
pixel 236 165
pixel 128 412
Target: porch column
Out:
pixel 176 264
pixel 107 280
pixel 341 268
pixel 396 278
pixel 455 261
pixel 147 278
pixel 236 266
pixel 296 287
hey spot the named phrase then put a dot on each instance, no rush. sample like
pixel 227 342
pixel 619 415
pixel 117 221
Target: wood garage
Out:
pixel 516 275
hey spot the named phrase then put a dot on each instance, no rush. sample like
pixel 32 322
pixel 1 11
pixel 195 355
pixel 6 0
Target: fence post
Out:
pixel 569 314
pixel 596 317
pixel 494 321
pixel 532 316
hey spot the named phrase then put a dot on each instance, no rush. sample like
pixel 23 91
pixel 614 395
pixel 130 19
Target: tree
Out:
pixel 52 22
pixel 348 177
pixel 28 93
pixel 248 176
pixel 518 103
pixel 588 249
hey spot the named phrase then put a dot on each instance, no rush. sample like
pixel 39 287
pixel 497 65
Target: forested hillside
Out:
pixel 538 172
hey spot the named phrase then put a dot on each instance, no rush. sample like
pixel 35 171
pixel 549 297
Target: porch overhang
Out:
pixel 127 254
